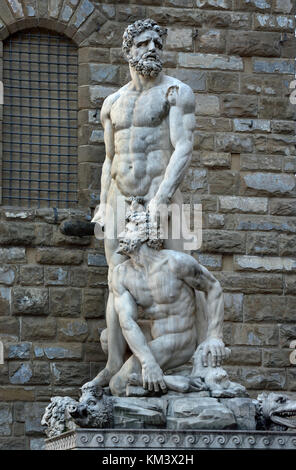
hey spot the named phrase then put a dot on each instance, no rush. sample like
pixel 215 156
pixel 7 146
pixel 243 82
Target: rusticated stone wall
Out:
pixel 238 56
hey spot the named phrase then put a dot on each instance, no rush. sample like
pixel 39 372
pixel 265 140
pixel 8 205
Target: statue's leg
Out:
pixel 169 351
pixel 116 342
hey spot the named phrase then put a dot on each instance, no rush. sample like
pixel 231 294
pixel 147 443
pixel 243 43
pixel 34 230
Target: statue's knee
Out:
pixel 104 341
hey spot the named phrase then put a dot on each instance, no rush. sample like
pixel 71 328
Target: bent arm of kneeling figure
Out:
pixel 127 312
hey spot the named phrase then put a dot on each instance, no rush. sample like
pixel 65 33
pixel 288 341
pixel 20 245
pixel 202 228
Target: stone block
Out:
pixel 248 283
pixel 287 333
pixel 179 39
pixel 13 255
pixel 210 61
pixel 262 244
pixel 72 330
pixel 58 351
pixel 5 300
pixel 149 413
pixel 203 141
pixel 97 277
pixel 5 419
pixel 96 259
pixel 78 277
pixel 268 22
pixel 194 180
pixel 263 308
pixel 265 223
pixel 241 356
pixel 212 124
pixel 287 245
pixel 284 6
pixel 216 159
pixel 272 184
pixel 31 274
pixel 251 125
pixel 34 413
pixel 216 4
pixel 70 374
pixel 223 182
pixel 263 379
pixel 196 79
pixel 234 143
pixel 282 207
pixel 38 329
pixel 56 276
pixel 284 66
pixel 211 41
pixel 223 241
pixel 199 413
pixel 270 85
pixel 15 394
pixel 36 373
pixel 30 300
pixel 88 55
pixel 266 263
pixel 255 335
pixel 276 108
pixel 239 106
pixel 233 307
pixel 261 162
pixel 276 358
pixel 18 350
pixel 210 261
pixel 171 16
pixel 216 221
pixel 59 256
pixel 248 44
pixel 253 5
pixel 12 443
pixel 64 302
pixel 282 145
pixel 223 82
pixel 9 327
pixel 93 303
pixel 243 410
pixel 207 105
pixel 231 204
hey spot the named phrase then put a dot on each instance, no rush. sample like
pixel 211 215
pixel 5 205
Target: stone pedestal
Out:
pixel 165 439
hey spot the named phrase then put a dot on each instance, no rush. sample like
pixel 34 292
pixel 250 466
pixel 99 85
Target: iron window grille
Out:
pixel 39 166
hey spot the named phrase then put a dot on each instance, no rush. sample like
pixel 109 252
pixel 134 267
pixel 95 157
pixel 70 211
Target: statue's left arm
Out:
pixel 199 278
pixel 181 126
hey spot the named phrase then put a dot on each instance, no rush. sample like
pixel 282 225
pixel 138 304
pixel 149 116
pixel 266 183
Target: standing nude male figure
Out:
pixel 148 132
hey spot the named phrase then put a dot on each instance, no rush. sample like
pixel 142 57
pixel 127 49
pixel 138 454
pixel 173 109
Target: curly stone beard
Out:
pixel 128 246
pixel 149 65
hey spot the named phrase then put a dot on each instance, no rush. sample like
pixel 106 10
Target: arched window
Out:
pixel 39 166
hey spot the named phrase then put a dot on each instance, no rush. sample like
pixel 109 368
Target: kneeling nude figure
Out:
pixel 154 298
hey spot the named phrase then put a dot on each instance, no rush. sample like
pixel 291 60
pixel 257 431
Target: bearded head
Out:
pixel 142 46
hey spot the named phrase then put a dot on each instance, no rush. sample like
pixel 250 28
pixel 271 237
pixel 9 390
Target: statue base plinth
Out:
pixel 165 439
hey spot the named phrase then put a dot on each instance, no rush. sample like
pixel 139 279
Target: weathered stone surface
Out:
pixel 30 300
pixel 56 276
pixel 283 127
pixel 31 274
pixel 14 394
pixel 262 244
pixel 72 373
pixel 12 443
pixel 216 221
pixel 251 282
pixel 239 106
pixel 241 356
pixel 265 308
pixel 34 413
pixel 194 78
pixel 179 39
pixel 149 413
pixel 287 333
pixel 168 16
pixel 287 245
pixel 18 350
pixel 267 263
pixel 268 184
pixel 265 223
pixel 262 379
pixel 199 413
pixel 7 275
pixel 234 143
pixel 243 204
pixel 255 335
pixel 261 162
pixel 216 4
pixel 210 61
pixel 210 261
pixel 233 20
pixel 212 40
pixel 276 358
pixel 96 259
pixel 93 303
pixel 233 307
pixel 273 22
pixel 194 179
pixel 203 141
pixel 72 330
pixel 243 410
pixel 64 302
pixel 253 5
pixel 276 108
pixel 228 82
pixel 5 419
pixel 223 182
pixel 58 351
pixel 10 234
pixel 36 373
pixel 223 241
pixel 12 255
pixel 58 256
pixel 284 66
pixel 282 207
pixel 38 329
pixel 208 105
pixel 283 6
pixel 251 125
pixel 253 44
pixel 5 300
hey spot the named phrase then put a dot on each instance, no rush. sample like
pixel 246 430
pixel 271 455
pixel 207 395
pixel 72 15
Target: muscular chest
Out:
pixel 146 109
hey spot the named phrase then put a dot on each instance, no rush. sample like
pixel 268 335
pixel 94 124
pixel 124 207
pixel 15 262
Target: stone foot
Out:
pixel 101 380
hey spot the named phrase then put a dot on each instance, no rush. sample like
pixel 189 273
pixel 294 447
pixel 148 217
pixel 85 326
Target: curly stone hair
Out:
pixel 137 28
